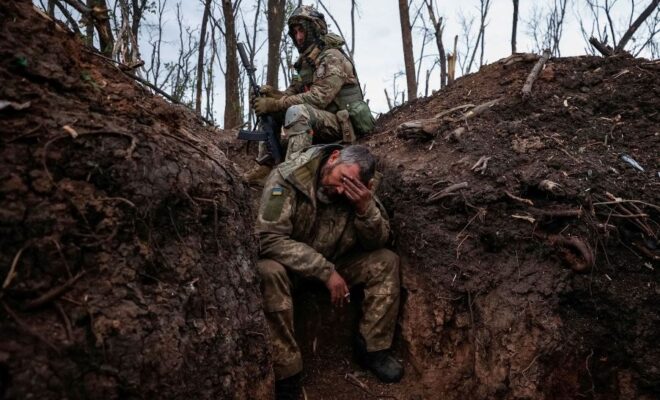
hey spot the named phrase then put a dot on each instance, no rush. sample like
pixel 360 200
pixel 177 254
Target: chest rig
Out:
pixel 306 67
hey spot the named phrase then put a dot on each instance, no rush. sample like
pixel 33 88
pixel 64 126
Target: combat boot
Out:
pixel 288 388
pixel 257 174
pixel 381 363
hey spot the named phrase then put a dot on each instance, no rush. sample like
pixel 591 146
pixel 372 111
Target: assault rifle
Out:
pixel 268 130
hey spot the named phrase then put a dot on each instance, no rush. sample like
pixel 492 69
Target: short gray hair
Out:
pixel 361 156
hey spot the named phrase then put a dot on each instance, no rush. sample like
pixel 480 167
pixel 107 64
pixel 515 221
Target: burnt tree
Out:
pixel 200 57
pixel 276 9
pixel 408 57
pixel 233 115
pixel 514 26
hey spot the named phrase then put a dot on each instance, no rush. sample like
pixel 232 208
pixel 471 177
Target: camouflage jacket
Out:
pixel 322 74
pixel 305 235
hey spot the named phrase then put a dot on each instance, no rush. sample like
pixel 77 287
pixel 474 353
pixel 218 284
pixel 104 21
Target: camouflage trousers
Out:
pixel 305 125
pixel 377 270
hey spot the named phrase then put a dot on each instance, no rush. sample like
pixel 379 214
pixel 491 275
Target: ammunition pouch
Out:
pixel 350 99
pixel 348 136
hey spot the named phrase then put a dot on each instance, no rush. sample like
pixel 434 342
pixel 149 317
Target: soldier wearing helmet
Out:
pixel 324 102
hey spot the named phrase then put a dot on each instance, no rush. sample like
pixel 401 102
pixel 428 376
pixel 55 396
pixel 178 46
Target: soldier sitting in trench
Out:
pixel 324 102
pixel 319 219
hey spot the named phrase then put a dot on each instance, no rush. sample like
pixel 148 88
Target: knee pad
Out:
pixel 296 114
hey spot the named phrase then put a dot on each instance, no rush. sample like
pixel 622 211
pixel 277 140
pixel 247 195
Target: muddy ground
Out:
pixel 124 221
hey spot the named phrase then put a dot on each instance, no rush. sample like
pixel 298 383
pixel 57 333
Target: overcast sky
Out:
pixel 379 52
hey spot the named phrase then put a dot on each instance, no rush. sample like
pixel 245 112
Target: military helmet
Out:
pixel 312 21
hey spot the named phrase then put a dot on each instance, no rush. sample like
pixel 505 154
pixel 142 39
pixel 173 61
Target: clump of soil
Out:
pixel 126 268
pixel 495 306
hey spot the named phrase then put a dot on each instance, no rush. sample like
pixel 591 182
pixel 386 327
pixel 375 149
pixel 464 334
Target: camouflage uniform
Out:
pixel 303 236
pixel 324 84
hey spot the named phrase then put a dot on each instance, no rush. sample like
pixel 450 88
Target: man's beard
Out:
pixel 325 196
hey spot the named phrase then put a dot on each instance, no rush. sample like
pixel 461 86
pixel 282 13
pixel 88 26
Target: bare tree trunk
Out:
pixel 408 57
pixel 439 28
pixel 89 29
pixel 635 25
pixel 514 26
pixel 276 9
pixel 99 13
pixel 200 57
pixel 451 63
pixel 484 7
pixel 336 26
pixel 353 5
pixel 153 72
pixel 387 97
pixel 67 15
pixel 233 117
pixel 51 8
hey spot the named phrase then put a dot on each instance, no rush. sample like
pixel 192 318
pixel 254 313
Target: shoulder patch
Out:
pixel 320 71
pixel 275 203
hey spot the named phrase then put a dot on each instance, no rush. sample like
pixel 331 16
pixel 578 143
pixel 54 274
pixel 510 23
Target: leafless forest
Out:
pixel 186 51
pixel 518 146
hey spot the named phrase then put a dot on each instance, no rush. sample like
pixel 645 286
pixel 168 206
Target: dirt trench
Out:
pixel 124 220
pixel 126 271
pixel 537 278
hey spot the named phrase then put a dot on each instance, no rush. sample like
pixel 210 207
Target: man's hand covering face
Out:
pixel 358 193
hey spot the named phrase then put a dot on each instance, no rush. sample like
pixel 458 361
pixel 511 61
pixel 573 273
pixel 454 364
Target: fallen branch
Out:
pixel 456 133
pixel 647 252
pixel 53 293
pixel 479 109
pixel 602 48
pixel 636 214
pixel 14 263
pixel 620 201
pixel 557 213
pixel 448 191
pixel 481 165
pixel 580 262
pixel 635 25
pixel 520 199
pixel 451 110
pixel 527 218
pixel 518 57
pixel 531 78
pixel 625 215
pixel 427 128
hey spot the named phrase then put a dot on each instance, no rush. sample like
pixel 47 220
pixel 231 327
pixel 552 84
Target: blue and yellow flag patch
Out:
pixel 277 191
pixel 275 203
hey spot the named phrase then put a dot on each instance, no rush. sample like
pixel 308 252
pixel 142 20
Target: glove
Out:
pixel 269 91
pixel 266 105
